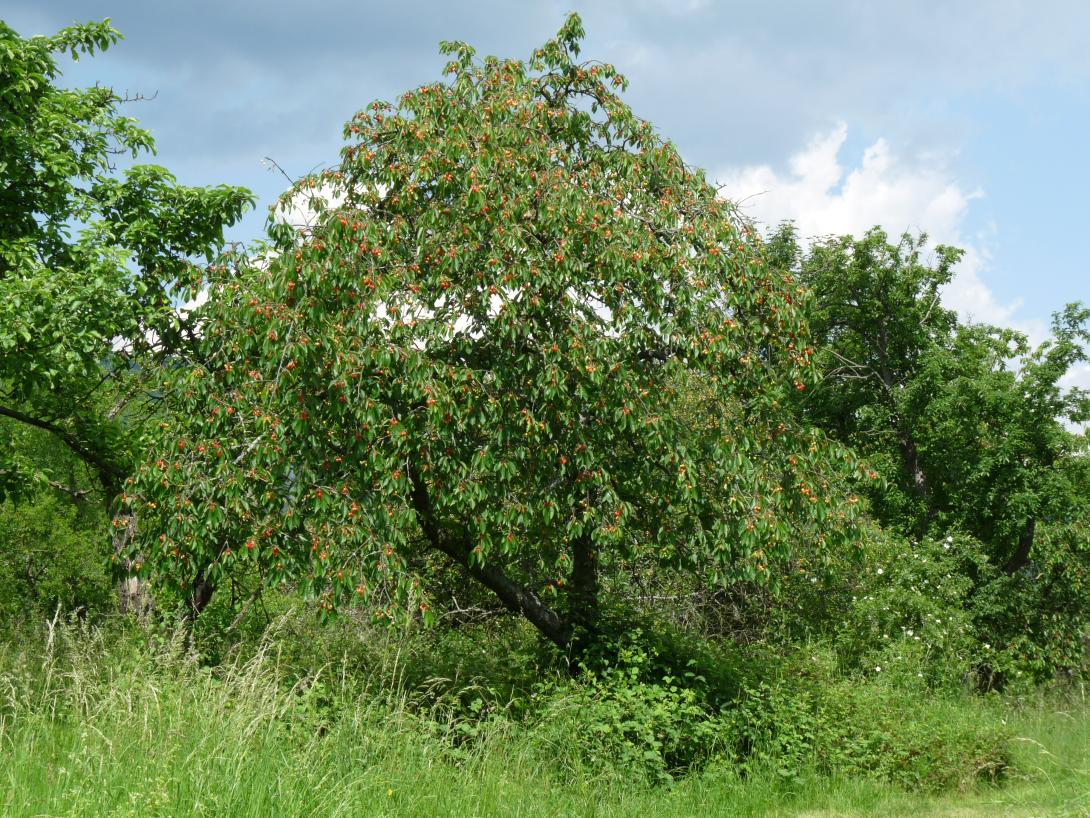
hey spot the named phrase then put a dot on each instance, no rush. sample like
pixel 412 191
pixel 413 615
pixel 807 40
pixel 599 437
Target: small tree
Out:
pixel 87 260
pixel 476 351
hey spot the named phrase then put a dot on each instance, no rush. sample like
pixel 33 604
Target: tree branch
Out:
pixel 110 474
pixel 514 596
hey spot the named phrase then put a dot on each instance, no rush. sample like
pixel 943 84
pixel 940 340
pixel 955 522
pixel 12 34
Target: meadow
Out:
pixel 119 722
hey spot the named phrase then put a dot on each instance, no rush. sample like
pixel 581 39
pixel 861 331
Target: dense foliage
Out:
pixel 478 349
pixel 966 424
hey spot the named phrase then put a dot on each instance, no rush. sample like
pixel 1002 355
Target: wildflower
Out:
pixel 877 668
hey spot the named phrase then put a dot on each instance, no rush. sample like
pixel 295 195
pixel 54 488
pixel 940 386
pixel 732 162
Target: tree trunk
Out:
pixel 909 453
pixel 912 464
pixel 132 593
pixel 200 596
pixel 514 596
pixel 583 608
pixel 1020 558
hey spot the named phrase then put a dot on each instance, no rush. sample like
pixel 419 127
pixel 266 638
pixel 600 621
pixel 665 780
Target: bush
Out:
pixel 909 612
pixel 51 556
pixel 626 718
pixel 652 705
pixel 811 720
pixel 939 611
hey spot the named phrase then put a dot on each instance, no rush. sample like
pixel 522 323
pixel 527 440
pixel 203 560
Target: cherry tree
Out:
pixel 480 349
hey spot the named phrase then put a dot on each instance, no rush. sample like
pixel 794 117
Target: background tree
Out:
pixel 476 352
pixel 965 422
pixel 88 259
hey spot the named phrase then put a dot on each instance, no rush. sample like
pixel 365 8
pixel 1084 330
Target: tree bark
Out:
pixel 200 596
pixel 583 610
pixel 913 468
pixel 909 453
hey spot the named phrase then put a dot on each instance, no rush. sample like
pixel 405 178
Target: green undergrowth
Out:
pixel 114 722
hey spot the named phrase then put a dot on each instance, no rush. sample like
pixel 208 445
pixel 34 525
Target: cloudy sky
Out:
pixel 969 120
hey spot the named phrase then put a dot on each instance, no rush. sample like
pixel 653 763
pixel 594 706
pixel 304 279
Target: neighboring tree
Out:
pixel 477 351
pixel 88 260
pixel 965 422
pixel 875 312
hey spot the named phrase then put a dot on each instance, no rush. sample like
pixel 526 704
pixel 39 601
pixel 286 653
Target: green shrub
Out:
pixel 811 720
pixel 625 719
pixel 909 612
pixel 52 556
pixel 939 611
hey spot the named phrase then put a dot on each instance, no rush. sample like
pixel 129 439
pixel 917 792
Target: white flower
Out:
pixel 877 668
pixel 909 632
pixel 880 571
pixel 949 539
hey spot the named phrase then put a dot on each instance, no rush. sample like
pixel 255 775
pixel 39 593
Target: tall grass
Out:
pixel 97 723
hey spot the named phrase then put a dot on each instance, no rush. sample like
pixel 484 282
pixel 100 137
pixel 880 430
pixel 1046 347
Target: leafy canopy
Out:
pixel 477 349
pixel 87 256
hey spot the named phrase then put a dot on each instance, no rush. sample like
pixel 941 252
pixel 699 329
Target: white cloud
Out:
pixel 1078 375
pixel 304 207
pixel 823 197
pixel 195 302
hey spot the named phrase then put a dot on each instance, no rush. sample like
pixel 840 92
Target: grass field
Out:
pixel 84 736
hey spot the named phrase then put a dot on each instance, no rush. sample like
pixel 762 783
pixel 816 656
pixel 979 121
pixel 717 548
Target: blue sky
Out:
pixel 969 120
